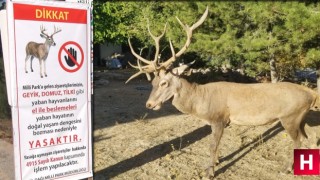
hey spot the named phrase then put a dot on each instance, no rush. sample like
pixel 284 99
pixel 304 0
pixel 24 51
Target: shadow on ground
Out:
pixel 165 148
pixel 154 153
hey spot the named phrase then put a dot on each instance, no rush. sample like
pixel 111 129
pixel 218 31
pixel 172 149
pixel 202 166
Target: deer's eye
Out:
pixel 163 84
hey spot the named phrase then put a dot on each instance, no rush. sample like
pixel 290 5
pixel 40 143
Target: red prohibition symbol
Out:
pixel 64 52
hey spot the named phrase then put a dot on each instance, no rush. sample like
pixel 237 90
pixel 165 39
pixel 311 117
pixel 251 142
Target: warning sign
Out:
pixel 49 55
pixel 71 56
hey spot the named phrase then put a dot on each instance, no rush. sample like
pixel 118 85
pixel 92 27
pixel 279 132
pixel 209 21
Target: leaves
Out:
pixel 242 34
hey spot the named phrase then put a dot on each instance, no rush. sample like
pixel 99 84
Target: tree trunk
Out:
pixel 273 70
pixel 5 112
pixel 4 106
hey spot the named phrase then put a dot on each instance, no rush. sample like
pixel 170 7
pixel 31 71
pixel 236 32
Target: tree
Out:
pixel 112 21
pixel 250 35
pixel 243 35
pixel 4 106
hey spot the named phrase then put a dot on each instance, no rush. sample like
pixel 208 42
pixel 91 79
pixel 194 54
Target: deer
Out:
pixel 221 103
pixel 40 50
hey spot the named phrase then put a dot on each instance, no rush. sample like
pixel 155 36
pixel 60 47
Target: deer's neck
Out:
pixel 185 99
pixel 47 46
pixel 198 100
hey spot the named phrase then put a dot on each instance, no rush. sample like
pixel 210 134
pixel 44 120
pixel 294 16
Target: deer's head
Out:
pixel 49 38
pixel 166 81
pixel 165 85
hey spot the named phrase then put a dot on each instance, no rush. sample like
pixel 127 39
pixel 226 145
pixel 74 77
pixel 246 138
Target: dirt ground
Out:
pixel 131 142
pixel 6 130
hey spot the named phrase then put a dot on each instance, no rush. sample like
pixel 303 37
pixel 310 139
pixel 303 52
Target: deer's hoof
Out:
pixel 217 161
pixel 210 172
pixel 288 169
pixel 45 75
pixel 26 71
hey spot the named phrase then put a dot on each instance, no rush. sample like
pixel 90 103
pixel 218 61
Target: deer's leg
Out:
pixel 40 61
pixel 31 59
pixel 217 131
pixel 292 125
pixel 25 64
pixel 44 67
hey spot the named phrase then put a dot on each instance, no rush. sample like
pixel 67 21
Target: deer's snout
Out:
pixel 153 105
pixel 149 105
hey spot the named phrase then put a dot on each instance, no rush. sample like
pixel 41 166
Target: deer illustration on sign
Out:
pixel 40 50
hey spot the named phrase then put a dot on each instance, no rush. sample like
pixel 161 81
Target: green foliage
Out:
pixel 241 34
pixel 313 58
pixel 112 21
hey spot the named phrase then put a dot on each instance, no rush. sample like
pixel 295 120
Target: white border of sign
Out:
pixel 11 71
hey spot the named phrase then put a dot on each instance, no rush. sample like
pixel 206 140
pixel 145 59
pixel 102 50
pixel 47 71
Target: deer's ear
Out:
pixel 181 69
pixel 43 36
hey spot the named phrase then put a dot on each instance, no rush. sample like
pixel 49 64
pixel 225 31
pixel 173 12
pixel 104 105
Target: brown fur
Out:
pixel 221 103
pixel 40 50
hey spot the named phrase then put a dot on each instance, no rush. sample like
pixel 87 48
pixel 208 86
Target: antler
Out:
pixel 43 29
pixel 154 66
pixel 157 40
pixel 56 30
pixel 189 31
pixel 151 65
